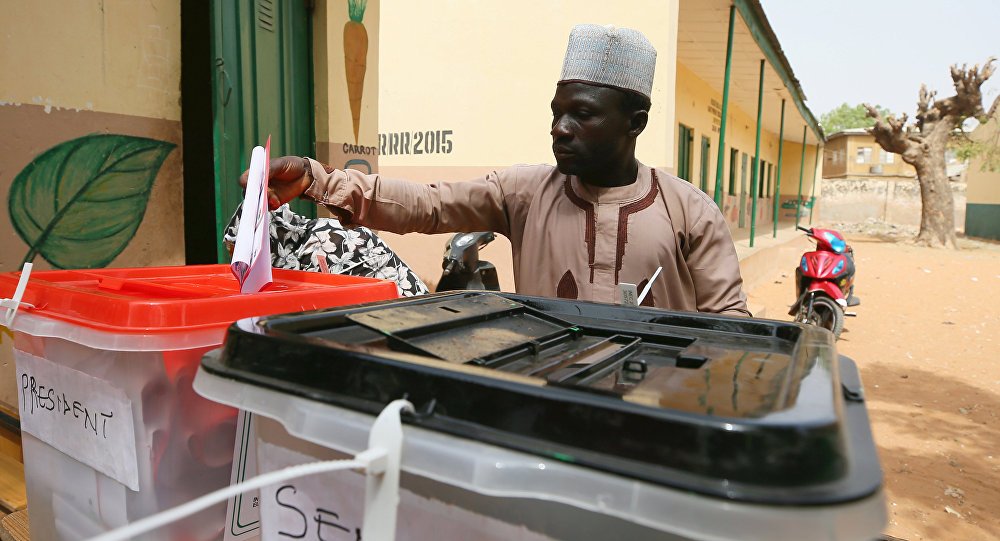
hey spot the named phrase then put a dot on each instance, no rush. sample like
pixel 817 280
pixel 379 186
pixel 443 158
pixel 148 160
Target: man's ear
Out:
pixel 637 123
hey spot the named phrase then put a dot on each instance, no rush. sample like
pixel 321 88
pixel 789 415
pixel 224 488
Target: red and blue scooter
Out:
pixel 824 282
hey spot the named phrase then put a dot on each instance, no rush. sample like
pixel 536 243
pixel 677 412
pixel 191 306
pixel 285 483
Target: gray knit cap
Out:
pixel 605 55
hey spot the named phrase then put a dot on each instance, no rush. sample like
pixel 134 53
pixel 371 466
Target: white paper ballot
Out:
pixel 649 285
pixel 252 254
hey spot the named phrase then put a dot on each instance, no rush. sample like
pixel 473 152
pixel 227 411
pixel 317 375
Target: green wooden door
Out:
pixel 262 85
pixel 684 143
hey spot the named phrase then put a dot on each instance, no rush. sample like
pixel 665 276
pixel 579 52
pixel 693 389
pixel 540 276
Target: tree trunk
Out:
pixel 937 212
pixel 923 146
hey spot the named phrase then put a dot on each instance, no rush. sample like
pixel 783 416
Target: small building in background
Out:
pixel 863 182
pixel 982 211
pixel 854 153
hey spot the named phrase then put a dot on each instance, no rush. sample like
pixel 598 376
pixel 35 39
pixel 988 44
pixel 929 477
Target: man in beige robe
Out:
pixel 598 219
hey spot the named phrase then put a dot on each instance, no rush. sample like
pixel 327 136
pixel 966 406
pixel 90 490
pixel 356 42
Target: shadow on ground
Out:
pixel 953 437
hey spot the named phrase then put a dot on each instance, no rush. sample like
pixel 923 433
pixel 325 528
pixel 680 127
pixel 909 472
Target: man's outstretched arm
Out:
pixel 391 205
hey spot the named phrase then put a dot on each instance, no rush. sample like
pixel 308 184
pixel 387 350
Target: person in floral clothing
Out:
pixel 323 245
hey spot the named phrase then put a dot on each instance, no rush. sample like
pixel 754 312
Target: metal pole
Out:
pixel 812 197
pixel 777 182
pixel 725 110
pixel 802 168
pixel 756 157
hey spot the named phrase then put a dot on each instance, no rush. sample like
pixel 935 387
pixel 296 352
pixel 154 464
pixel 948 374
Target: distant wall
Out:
pixel 888 200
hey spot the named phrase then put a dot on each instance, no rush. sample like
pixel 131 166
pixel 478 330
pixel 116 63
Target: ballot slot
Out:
pixel 492 332
pixel 484 330
pixel 602 356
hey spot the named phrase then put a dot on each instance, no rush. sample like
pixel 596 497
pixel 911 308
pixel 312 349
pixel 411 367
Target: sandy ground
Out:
pixel 927 341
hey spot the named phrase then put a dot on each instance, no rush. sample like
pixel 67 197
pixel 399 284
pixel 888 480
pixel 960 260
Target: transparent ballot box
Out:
pixel 552 419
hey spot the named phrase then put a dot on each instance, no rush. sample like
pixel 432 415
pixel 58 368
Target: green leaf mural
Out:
pixel 79 203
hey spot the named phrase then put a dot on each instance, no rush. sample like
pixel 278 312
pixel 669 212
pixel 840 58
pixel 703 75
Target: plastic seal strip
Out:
pixel 11 305
pixel 385 442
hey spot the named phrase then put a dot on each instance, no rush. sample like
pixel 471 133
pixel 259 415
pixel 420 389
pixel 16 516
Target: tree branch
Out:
pixel 893 135
pixel 968 98
pixel 926 112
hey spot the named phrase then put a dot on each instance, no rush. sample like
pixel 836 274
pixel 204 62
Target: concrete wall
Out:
pixel 72 73
pixel 486 72
pixel 893 201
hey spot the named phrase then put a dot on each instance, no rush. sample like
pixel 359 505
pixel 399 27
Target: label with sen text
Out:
pixel 85 417
pixel 331 506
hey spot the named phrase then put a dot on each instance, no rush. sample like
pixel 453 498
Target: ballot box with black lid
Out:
pixel 696 425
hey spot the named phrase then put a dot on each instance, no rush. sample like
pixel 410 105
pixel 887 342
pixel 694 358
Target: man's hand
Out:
pixel 287 179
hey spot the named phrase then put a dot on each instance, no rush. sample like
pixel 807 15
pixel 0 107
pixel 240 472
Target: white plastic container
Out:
pixel 457 488
pixel 112 430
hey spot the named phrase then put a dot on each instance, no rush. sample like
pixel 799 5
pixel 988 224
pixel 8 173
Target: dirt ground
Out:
pixel 927 341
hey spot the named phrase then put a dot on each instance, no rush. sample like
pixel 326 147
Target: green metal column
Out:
pixel 812 197
pixel 756 157
pixel 777 182
pixel 802 168
pixel 725 109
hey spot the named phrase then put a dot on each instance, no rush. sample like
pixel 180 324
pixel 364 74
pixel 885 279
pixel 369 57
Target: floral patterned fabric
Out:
pixel 323 245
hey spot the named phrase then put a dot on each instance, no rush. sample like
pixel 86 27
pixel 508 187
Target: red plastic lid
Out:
pixel 169 299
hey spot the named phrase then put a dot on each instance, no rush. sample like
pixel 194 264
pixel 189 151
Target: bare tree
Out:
pixel 923 146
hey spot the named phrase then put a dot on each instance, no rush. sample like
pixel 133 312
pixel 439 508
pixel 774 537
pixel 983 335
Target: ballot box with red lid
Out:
pixel 112 430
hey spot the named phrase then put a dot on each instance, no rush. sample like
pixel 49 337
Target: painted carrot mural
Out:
pixel 355 58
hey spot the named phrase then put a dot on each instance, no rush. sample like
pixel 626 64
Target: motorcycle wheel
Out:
pixel 825 313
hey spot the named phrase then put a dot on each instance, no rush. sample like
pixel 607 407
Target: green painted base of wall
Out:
pixel 982 221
